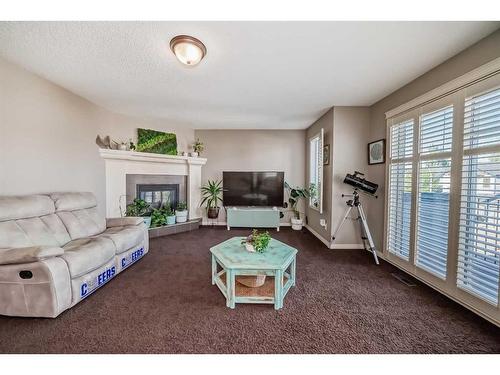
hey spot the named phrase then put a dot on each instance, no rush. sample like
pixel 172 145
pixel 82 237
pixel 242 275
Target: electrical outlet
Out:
pixel 322 222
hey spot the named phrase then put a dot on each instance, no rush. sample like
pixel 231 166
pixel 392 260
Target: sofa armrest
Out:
pixel 28 254
pixel 123 221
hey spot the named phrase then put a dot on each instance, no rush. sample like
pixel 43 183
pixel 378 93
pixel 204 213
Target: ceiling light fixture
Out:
pixel 188 50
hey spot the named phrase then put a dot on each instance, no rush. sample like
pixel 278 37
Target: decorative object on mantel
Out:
pixel 197 148
pixel 156 142
pixel 181 212
pixel 211 195
pixel 108 143
pixel 376 152
pixel 294 196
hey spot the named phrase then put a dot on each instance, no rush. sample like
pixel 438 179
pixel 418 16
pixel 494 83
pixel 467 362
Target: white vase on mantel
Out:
pixel 194 154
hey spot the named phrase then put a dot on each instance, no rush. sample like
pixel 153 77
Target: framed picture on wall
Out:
pixel 376 152
pixel 326 154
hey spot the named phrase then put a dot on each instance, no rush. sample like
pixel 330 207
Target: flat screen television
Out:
pixel 253 188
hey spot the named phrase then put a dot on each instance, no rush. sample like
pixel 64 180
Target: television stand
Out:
pixel 253 217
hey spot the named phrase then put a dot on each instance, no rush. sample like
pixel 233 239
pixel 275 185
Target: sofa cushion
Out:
pixel 73 201
pixel 83 223
pixel 125 238
pixel 86 255
pixel 29 254
pixel 21 207
pixel 46 230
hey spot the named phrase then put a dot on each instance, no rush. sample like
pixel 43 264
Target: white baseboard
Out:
pixel 346 246
pixel 318 236
pixel 335 246
pixel 208 222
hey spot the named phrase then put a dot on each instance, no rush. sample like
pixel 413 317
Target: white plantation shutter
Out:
pixel 435 131
pixel 482 120
pixel 443 193
pixel 478 268
pixel 402 140
pixel 435 140
pixel 400 189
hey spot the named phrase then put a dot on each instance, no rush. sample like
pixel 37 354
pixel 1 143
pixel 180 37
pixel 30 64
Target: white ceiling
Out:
pixel 276 75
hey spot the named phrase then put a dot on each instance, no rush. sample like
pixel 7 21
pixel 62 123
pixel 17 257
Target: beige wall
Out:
pixel 350 129
pixel 325 122
pixel 480 53
pixel 254 150
pixel 47 136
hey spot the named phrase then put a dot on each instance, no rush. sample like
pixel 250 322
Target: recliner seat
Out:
pixel 56 249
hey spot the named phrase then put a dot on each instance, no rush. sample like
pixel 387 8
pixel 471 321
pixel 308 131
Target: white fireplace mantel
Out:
pixel 120 163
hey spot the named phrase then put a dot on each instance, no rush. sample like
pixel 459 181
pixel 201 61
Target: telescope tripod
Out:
pixel 366 236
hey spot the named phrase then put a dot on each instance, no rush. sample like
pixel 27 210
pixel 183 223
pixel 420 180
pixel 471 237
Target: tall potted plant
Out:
pixel 211 195
pixel 295 194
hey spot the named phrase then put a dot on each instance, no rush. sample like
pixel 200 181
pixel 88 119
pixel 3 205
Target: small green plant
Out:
pixel 259 240
pixel 158 218
pixel 138 207
pixel 167 210
pixel 295 194
pixel 211 193
pixel 181 206
pixel 198 146
pixel 131 145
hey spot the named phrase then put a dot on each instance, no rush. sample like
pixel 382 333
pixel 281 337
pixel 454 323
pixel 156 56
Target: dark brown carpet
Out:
pixel 343 303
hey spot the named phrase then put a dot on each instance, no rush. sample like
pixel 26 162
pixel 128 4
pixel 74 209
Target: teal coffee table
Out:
pixel 277 263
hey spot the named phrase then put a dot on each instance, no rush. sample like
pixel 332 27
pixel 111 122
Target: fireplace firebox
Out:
pixel 158 195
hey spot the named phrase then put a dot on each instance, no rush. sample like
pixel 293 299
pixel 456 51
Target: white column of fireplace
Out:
pixel 120 163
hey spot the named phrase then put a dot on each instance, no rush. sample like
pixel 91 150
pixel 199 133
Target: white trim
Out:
pixel 347 246
pixel 488 69
pixel 317 235
pixel 332 246
pixel 209 223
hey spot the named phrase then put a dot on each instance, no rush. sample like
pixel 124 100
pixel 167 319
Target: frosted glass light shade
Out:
pixel 187 49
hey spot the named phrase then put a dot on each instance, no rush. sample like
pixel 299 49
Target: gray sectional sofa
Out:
pixel 56 249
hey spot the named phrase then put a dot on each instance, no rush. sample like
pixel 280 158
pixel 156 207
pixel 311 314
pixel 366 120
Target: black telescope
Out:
pixel 360 183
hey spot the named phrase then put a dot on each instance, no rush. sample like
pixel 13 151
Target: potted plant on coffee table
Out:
pixel 256 242
pixel 181 212
pixel 295 194
pixel 211 194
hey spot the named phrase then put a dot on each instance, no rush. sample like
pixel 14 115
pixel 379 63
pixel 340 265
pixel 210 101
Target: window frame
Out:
pixel 448 286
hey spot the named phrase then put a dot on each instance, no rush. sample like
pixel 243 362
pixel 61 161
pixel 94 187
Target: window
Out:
pixel 434 174
pixel 443 193
pixel 400 190
pixel 316 172
pixel 479 232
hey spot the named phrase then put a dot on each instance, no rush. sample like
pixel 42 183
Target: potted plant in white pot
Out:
pixel 295 194
pixel 181 212
pixel 197 148
pixel 211 195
